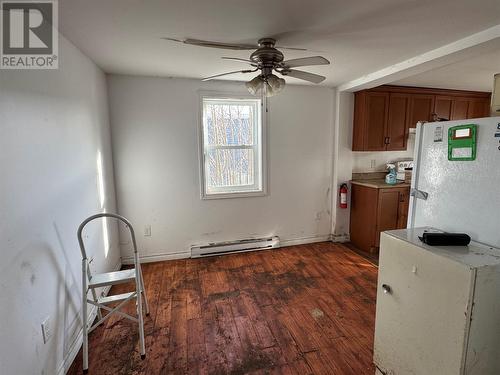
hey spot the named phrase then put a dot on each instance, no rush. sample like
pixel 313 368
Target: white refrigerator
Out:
pixel 438 308
pixel 461 195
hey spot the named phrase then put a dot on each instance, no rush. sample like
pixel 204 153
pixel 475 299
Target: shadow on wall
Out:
pixel 35 273
pixel 71 323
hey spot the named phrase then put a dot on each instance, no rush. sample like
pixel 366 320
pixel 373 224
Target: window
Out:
pixel 232 142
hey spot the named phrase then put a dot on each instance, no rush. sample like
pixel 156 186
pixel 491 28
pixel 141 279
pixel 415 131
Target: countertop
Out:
pixel 379 184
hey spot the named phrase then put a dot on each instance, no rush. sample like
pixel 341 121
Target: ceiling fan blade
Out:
pixel 211 44
pixel 292 48
pixel 306 61
pixel 310 77
pixel 241 60
pixel 225 74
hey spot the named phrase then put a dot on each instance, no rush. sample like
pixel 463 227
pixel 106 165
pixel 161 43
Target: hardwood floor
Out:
pixel 306 309
pixel 371 257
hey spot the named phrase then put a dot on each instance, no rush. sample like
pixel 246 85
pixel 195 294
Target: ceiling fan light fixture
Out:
pixel 269 91
pixel 255 85
pixel 276 84
pixel 269 85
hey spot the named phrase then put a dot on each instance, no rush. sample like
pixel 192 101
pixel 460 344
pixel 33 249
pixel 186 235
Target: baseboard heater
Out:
pixel 220 248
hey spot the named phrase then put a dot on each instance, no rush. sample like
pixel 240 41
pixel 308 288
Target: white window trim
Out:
pixel 201 150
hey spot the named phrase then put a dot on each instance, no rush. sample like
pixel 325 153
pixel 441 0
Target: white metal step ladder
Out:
pixel 92 282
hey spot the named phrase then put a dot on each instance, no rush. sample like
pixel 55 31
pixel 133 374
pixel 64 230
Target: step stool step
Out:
pixel 112 278
pixel 115 298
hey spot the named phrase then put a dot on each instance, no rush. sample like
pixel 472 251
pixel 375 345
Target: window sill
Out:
pixel 243 194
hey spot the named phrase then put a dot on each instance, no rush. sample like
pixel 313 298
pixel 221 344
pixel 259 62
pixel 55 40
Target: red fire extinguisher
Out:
pixel 343 196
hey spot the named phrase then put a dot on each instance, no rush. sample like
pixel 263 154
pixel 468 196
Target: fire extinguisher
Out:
pixel 343 196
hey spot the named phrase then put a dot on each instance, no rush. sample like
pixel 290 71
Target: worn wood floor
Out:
pixel 306 309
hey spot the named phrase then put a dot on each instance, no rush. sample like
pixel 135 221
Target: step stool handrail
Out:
pixel 97 216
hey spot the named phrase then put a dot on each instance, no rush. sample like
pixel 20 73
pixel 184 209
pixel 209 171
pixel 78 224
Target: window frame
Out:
pixel 201 147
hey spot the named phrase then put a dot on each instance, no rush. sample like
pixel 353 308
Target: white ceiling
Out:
pixel 472 74
pixel 358 36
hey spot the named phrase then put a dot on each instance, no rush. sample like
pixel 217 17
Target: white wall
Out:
pixel 362 161
pixel 155 151
pixel 53 125
pixel 343 160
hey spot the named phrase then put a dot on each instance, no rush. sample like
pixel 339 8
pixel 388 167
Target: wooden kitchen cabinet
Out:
pixel 421 108
pixel 478 108
pixel 443 108
pixel 450 108
pixel 382 120
pixel 403 207
pixel 374 210
pixel 383 115
pixel 397 122
pixel 377 105
pixel 459 109
pixel 370 113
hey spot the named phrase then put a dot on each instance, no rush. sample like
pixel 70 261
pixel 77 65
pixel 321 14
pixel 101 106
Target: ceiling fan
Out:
pixel 266 59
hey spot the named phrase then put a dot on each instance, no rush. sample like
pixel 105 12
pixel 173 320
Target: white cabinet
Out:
pixel 438 308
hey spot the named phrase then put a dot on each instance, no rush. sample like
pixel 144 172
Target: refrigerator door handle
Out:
pixel 419 194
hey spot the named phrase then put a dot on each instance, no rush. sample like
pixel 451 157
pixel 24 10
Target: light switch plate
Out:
pixel 147 230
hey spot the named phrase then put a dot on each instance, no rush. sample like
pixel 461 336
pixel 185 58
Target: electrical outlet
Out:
pixel 147 230
pixel 46 329
pixel 372 164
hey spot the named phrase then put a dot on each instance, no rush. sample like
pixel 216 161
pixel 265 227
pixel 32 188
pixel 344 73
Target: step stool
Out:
pixel 91 282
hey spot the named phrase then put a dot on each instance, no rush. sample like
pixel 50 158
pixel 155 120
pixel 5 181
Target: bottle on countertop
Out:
pixel 390 178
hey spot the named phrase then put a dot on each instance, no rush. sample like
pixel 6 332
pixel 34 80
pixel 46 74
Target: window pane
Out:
pixel 229 123
pixel 229 167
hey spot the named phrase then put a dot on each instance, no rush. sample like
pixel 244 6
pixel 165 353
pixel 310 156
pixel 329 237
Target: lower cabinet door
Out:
pixel 363 217
pixel 387 211
pixel 404 202
pixel 421 317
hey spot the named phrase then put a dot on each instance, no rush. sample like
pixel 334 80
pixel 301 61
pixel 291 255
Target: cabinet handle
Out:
pixel 387 289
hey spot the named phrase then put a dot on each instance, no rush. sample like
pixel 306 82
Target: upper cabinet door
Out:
pixel 397 124
pixel 421 108
pixel 460 109
pixel 377 105
pixel 478 108
pixel 443 108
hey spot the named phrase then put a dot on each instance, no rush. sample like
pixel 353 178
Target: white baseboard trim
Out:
pixel 187 254
pixel 75 346
pixel 158 257
pixel 304 240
